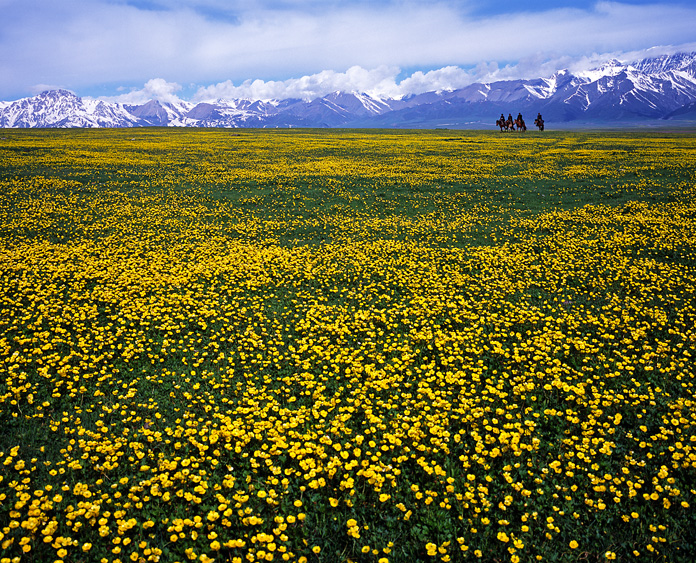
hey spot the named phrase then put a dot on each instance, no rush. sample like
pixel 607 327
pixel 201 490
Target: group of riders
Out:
pixel 509 124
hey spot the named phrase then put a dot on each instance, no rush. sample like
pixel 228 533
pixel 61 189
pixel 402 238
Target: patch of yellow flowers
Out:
pixel 303 346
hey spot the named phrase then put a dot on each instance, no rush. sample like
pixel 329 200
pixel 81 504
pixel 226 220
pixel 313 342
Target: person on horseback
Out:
pixel 521 126
pixel 501 123
pixel 539 122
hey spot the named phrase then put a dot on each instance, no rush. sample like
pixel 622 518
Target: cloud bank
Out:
pixel 383 81
pixel 98 45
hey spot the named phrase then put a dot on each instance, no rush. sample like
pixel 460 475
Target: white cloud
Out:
pixel 447 78
pixel 83 44
pixel 380 81
pixel 154 89
pixel 160 89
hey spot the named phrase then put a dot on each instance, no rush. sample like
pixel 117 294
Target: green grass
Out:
pixel 233 298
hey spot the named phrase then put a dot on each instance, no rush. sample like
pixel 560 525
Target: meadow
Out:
pixel 366 346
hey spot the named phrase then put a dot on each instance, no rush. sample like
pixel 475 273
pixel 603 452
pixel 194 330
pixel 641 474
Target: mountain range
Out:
pixel 619 94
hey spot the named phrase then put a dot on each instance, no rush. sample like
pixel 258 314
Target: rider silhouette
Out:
pixel 509 117
pixel 519 117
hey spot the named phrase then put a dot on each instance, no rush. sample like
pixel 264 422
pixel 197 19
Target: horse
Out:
pixel 505 124
pixel 502 124
pixel 521 126
pixel 539 123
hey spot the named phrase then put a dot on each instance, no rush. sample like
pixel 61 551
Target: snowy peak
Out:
pixel 680 62
pixel 58 96
pixel 61 108
pixel 358 103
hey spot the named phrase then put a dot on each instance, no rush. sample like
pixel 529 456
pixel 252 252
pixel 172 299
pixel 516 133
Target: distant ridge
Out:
pixel 658 88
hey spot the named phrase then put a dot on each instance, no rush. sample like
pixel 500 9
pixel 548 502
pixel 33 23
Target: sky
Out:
pixel 135 50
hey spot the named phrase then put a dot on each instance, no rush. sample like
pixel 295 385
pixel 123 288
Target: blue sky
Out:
pixel 133 50
pixel 512 6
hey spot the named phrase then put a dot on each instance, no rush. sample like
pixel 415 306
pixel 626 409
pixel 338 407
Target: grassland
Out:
pixel 347 346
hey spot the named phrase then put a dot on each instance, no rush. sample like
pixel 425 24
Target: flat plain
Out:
pixel 366 346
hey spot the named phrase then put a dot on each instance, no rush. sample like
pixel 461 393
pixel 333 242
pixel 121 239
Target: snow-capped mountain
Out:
pixel 650 89
pixel 60 108
pixel 661 87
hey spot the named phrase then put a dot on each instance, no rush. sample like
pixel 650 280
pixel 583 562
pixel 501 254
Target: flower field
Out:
pixel 347 346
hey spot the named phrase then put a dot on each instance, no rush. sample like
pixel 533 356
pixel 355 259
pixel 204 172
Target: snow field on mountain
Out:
pixel 347 346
